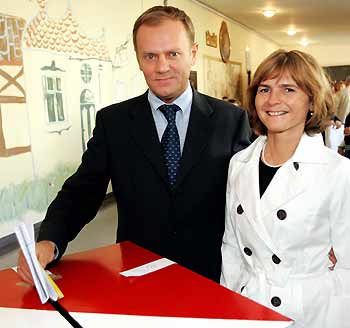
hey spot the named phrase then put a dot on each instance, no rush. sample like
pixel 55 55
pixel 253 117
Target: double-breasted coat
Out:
pixel 275 248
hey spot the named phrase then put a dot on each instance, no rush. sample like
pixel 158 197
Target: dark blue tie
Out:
pixel 171 142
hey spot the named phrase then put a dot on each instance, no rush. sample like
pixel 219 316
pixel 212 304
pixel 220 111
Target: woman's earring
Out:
pixel 311 108
pixel 310 112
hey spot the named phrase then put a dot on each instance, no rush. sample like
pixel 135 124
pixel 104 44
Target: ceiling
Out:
pixel 322 22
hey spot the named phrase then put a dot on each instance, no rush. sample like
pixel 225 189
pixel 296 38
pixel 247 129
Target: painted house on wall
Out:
pixel 74 73
pixel 15 149
pixel 47 118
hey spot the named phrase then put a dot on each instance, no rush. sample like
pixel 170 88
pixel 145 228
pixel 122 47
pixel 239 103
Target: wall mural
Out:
pixel 53 79
pixel 222 79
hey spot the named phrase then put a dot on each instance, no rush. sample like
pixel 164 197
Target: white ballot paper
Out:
pixel 147 268
pixel 44 287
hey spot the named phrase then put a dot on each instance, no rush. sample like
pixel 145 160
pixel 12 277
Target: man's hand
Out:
pixel 347 131
pixel 45 252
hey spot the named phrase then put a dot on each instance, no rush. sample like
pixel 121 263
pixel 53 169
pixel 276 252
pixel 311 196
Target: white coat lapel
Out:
pixel 287 184
pixel 292 178
pixel 248 193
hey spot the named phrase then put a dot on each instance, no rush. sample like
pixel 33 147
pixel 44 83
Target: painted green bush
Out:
pixel 33 195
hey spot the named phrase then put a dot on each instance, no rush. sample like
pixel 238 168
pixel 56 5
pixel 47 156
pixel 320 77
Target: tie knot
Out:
pixel 169 111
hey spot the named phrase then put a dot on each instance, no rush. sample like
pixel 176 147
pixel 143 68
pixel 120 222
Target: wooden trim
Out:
pixel 12 99
pixel 12 80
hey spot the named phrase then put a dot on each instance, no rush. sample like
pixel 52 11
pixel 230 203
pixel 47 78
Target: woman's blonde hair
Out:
pixel 308 75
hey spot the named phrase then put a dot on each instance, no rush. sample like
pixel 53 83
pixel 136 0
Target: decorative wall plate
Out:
pixel 224 43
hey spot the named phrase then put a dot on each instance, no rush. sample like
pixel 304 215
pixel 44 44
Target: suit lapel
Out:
pixel 144 132
pixel 197 136
pixel 199 129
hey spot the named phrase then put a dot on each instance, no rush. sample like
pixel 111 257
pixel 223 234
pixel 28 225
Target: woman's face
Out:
pixel 282 106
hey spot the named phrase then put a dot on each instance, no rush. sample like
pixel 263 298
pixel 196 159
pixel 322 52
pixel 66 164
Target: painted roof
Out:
pixel 62 35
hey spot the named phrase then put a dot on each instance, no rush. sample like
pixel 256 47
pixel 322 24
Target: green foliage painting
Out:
pixel 34 195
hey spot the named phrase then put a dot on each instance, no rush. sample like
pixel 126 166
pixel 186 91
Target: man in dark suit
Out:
pixel 170 203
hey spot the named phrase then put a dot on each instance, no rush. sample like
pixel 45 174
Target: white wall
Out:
pixel 328 55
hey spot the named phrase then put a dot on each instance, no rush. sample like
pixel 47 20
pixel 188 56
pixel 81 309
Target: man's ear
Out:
pixel 138 60
pixel 194 51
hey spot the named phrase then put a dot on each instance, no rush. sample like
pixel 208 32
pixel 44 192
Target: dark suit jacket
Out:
pixel 346 125
pixel 185 225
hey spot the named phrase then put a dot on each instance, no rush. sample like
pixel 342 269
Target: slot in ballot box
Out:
pixel 96 294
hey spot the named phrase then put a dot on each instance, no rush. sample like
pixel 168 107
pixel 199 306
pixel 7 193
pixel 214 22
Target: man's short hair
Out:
pixel 157 14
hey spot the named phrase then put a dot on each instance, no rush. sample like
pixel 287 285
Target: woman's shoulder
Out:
pixel 336 164
pixel 251 152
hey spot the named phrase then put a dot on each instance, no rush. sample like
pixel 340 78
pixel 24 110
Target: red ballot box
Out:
pixel 91 283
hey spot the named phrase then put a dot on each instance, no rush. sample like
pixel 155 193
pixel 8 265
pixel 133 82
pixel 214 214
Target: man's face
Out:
pixel 165 56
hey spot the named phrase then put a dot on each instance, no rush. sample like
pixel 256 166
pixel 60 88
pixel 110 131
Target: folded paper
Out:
pixel 44 285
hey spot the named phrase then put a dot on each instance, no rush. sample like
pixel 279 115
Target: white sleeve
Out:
pixel 340 226
pixel 231 255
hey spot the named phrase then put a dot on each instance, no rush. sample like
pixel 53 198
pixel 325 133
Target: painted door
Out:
pixel 87 116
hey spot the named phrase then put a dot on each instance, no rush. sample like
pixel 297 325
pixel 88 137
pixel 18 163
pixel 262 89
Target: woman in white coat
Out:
pixel 288 199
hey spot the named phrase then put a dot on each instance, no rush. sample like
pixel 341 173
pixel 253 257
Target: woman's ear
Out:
pixel 310 112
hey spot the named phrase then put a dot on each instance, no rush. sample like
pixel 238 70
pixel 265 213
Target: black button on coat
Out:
pixel 281 214
pixel 240 209
pixel 276 301
pixel 276 259
pixel 248 251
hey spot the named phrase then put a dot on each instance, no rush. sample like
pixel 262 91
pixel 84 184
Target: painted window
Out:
pixel 53 99
pixel 56 116
pixel 86 73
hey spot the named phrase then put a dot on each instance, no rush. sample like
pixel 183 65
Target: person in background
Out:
pixel 336 87
pixel 166 154
pixel 343 100
pixel 347 137
pixel 287 203
pixel 333 134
